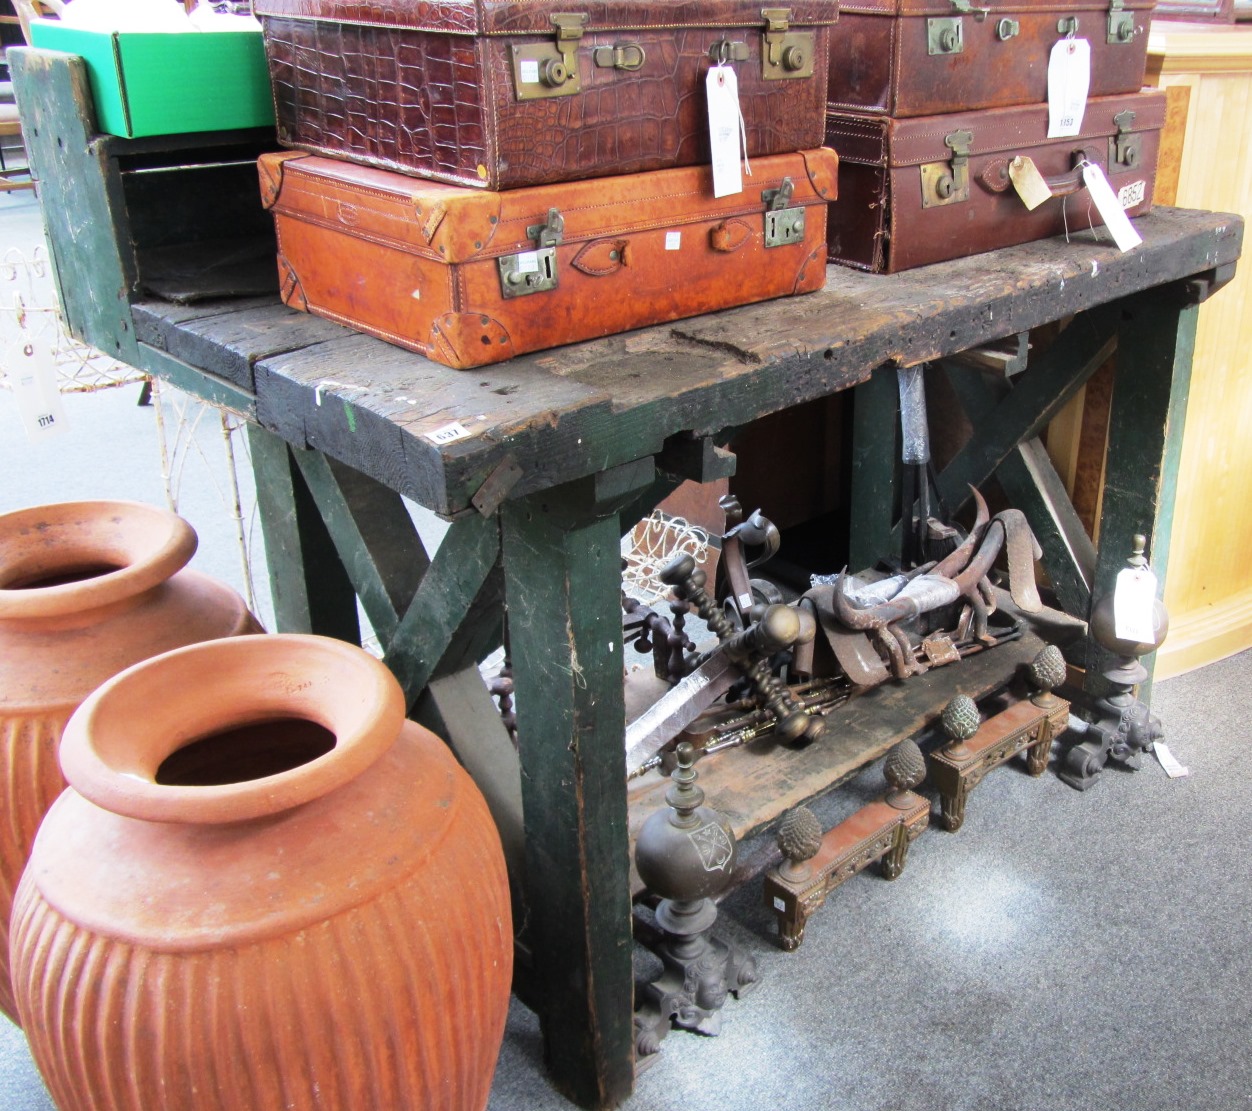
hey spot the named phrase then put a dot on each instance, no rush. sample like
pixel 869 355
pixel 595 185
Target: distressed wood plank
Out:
pixel 875 459
pixel 373 535
pixel 81 198
pixel 311 591
pixel 196 382
pixel 1156 340
pixel 574 410
pixel 1034 399
pixel 563 580
pixel 228 338
pixel 428 629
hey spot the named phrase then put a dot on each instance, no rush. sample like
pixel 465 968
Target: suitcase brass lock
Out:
pixel 948 182
pixel 945 35
pixel 783 225
pixel 534 271
pixel 547 69
pixel 1121 26
pixel 1124 147
pixel 786 54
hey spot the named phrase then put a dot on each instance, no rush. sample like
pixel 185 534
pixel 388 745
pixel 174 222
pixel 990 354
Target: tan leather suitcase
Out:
pixel 469 277
pixel 916 191
pixel 926 57
pixel 502 94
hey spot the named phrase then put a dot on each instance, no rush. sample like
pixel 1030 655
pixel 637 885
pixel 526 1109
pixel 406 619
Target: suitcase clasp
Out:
pixel 550 68
pixel 948 182
pixel 1121 28
pixel 783 225
pixel 786 54
pixel 534 271
pixel 1124 147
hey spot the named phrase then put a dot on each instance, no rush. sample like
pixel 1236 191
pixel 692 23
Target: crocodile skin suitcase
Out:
pixel 501 94
pixel 917 191
pixel 469 277
pixel 926 57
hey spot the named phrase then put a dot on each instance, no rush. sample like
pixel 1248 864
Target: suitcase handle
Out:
pixel 995 175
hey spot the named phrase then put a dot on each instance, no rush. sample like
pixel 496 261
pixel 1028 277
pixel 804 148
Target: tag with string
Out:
pixel 728 137
pixel 33 374
pixel 1109 207
pixel 1069 77
pixel 1029 182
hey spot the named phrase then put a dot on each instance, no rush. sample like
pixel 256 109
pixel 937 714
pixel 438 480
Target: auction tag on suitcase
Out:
pixel 1110 208
pixel 1028 182
pixel 33 375
pixel 1069 77
pixel 725 134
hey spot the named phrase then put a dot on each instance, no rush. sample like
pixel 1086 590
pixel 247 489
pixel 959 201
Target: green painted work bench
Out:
pixel 542 463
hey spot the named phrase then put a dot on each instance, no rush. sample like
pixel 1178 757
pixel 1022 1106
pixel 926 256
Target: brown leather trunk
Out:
pixel 469 277
pixel 502 94
pixel 925 57
pixel 892 212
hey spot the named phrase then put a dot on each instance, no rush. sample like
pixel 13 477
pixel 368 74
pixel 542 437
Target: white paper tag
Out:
pixel 673 240
pixel 725 137
pixel 1069 77
pixel 779 905
pixel 1134 598
pixel 33 375
pixel 745 601
pixel 528 262
pixel 1130 195
pixel 1114 216
pixel 529 71
pixel 1028 182
pixel 1169 761
pixel 448 434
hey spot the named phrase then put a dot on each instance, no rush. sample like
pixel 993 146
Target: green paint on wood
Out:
pixel 874 462
pixel 350 415
pixel 311 590
pixel 563 581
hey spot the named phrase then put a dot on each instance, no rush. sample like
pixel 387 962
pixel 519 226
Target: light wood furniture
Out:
pixel 1209 596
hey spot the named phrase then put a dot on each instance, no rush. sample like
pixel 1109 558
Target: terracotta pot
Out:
pixel 86 589
pixel 264 889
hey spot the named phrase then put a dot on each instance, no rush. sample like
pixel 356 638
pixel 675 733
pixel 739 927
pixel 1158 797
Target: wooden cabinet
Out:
pixel 1209 595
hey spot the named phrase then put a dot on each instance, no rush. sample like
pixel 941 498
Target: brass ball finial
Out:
pixel 904 769
pixel 799 837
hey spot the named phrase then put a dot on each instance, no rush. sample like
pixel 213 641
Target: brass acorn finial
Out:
pixel 1047 672
pixel 904 769
pixel 960 719
pixel 799 837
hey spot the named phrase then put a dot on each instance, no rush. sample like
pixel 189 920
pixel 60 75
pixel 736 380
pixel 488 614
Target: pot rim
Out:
pixel 117 739
pixel 148 557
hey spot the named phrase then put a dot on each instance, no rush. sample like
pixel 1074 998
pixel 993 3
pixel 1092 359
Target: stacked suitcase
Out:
pixel 476 179
pixel 933 107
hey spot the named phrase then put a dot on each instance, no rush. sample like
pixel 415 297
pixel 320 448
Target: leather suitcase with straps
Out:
pixel 469 277
pixel 917 191
pixel 501 94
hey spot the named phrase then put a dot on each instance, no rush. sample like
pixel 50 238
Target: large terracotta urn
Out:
pixel 86 589
pixel 264 889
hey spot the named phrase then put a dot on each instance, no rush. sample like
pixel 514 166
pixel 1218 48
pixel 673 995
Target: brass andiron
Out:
pixel 975 747
pixel 815 864
pixel 1124 726
pixel 686 854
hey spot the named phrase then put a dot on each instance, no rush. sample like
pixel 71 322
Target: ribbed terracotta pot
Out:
pixel 264 889
pixel 86 589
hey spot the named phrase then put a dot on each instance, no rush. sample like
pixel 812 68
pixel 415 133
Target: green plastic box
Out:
pixel 166 84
